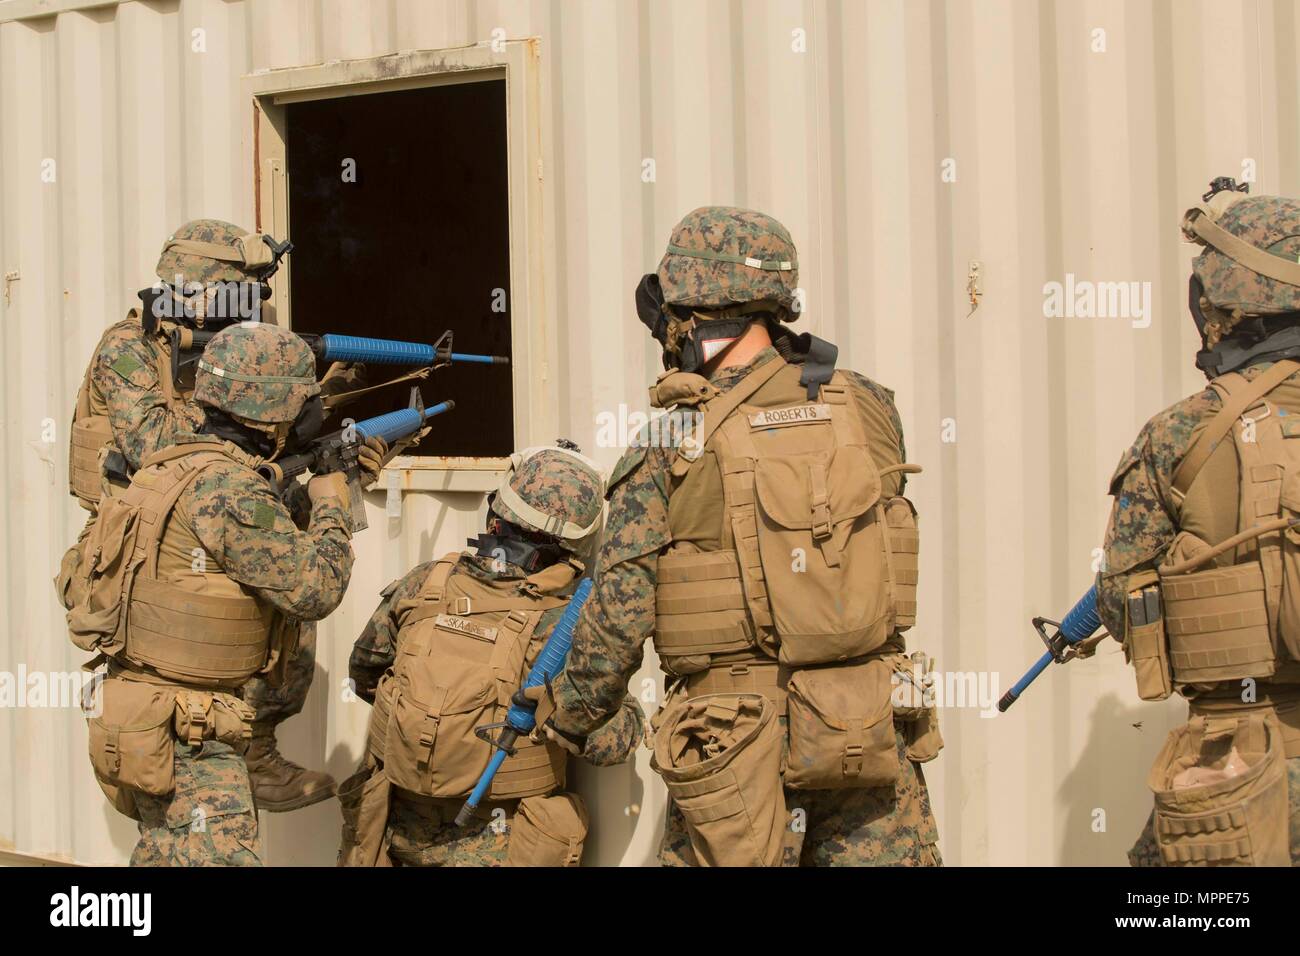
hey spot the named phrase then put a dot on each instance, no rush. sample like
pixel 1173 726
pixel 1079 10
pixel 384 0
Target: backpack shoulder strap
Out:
pixel 718 410
pixel 1238 396
pixel 159 501
pixel 434 587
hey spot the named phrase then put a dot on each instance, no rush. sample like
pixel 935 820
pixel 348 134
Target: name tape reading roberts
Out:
pixel 794 415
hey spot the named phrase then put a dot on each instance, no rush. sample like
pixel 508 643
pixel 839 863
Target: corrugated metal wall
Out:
pixel 1074 151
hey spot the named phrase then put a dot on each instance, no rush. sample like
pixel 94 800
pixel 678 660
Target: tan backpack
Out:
pixel 118 604
pixel 816 567
pixel 464 647
pixel 1243 619
pixel 91 435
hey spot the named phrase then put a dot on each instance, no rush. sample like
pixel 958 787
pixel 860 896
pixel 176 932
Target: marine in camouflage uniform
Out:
pixel 850 827
pixel 247 532
pixel 421 830
pixel 1242 316
pixel 129 382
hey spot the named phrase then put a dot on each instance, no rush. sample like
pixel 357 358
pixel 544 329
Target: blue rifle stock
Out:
pixel 1081 623
pixel 521 718
pixel 337 451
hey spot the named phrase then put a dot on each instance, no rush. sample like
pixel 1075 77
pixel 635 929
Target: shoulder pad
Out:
pixel 1126 462
pixel 630 462
pixel 675 387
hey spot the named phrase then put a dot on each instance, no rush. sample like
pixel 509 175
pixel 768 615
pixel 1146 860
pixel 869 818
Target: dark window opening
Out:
pixel 417 245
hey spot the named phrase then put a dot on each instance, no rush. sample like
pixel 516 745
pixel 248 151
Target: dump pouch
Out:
pixel 720 757
pixel 1145 644
pixel 1216 619
pixel 841 726
pixel 131 739
pixel 548 831
pixel 363 798
pixel 1220 786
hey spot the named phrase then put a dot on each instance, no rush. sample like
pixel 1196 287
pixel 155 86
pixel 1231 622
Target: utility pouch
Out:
pixel 720 757
pixel 437 703
pixel 823 552
pixel 206 715
pixel 904 559
pixel 1216 620
pixel 96 576
pixel 1145 645
pixel 377 728
pixel 1220 786
pixel 913 715
pixel 1288 622
pixel 841 726
pixel 363 798
pixel 548 831
pixel 131 739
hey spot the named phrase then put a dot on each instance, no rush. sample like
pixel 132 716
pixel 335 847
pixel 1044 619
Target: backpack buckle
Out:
pixel 460 606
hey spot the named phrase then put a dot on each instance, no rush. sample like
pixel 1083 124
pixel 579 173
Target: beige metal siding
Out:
pixel 1068 161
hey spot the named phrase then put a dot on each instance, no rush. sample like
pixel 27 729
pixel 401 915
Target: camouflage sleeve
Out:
pixel 1143 522
pixel 614 741
pixel 876 403
pixel 124 372
pixel 620 615
pixel 248 531
pixel 375 649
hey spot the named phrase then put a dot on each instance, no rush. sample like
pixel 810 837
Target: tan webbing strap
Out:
pixel 718 410
pixel 511 651
pixel 429 726
pixel 1252 257
pixel 156 513
pixel 1235 404
pixel 435 585
pixel 340 398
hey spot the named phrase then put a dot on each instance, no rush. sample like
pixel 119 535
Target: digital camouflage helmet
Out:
pixel 724 268
pixel 1245 284
pixel 259 374
pixel 552 491
pixel 210 250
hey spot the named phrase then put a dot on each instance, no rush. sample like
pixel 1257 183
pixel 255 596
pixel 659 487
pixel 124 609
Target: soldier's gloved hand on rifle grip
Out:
pixel 342 377
pixel 370 459
pixel 331 485
pixel 544 701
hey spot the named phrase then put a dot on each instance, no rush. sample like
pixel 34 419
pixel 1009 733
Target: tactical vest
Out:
pixel 91 431
pixel 186 624
pixel 1240 619
pixel 783 548
pixel 464 646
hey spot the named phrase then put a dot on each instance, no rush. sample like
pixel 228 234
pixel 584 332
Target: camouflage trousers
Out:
pixel 878 826
pixel 1145 852
pixel 274 705
pixel 424 833
pixel 209 820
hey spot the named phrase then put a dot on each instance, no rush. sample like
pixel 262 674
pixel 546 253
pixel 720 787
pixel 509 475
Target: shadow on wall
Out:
pixel 1105 795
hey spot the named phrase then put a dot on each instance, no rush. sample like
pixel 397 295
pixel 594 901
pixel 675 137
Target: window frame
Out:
pixel 517 63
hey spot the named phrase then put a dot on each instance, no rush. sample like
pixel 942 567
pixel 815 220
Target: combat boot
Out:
pixel 278 783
